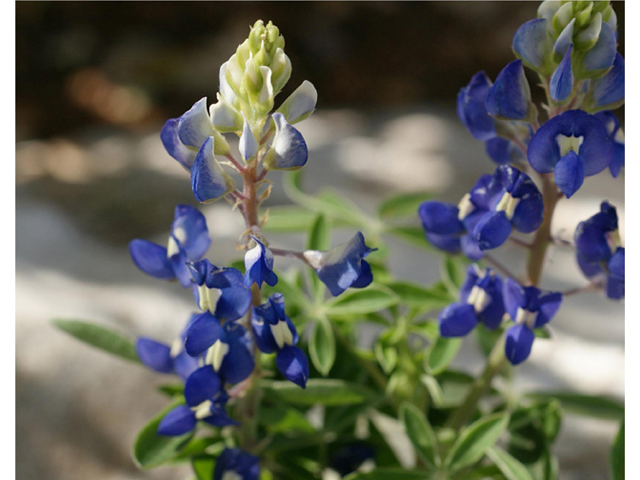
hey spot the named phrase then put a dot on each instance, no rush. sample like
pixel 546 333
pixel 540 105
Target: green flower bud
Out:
pixel 225 117
pixel 562 18
pixel 588 37
pixel 583 17
pixel 221 147
pixel 548 9
pixel 280 70
pixel 601 6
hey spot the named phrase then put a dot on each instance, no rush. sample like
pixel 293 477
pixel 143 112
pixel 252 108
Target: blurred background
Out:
pixel 95 83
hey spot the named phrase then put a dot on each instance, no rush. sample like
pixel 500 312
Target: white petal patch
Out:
pixel 252 256
pixel 508 204
pixel 479 298
pixel 248 144
pixel 225 89
pixel 300 103
pixel 224 117
pixel 203 410
pixel 619 136
pixel 315 258
pixel 172 247
pixel 176 348
pixel 209 298
pixel 266 93
pixel 613 239
pixel 566 144
pixel 526 317
pixel 465 207
pixel 282 334
pixel 216 354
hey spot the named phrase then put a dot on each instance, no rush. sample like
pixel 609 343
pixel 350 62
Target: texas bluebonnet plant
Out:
pixel 249 403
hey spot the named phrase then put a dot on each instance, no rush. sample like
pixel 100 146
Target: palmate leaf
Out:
pixel 100 337
pixel 475 440
pixel 420 433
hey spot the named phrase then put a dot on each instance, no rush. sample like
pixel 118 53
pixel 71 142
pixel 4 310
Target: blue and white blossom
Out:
pixel 572 145
pixel 343 266
pixel 480 301
pixel 188 242
pixel 209 181
pixel 529 308
pixel 184 418
pixel 510 96
pixel 275 333
pixel 607 92
pixel 236 464
pixel 616 134
pixel 599 251
pixel 300 104
pixel 258 263
pixel 288 150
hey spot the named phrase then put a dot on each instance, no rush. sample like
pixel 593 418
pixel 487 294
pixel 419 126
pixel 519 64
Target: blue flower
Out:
pixel 288 150
pixel 510 96
pixel 258 263
pixel 209 181
pixel 163 358
pixel 529 308
pixel 507 199
pixel 561 84
pixel 503 151
pixel 273 332
pixel 573 145
pixel 616 134
pixel 480 301
pixel 532 45
pixel 236 464
pixel 342 266
pixel 599 253
pixel 607 92
pixel 220 291
pixel 472 110
pixel 188 242
pixel 183 418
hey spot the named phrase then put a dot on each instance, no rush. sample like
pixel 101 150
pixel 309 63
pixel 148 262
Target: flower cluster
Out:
pixel 571 47
pixel 217 355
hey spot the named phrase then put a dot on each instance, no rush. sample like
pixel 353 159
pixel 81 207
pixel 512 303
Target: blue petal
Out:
pixel 493 230
pixel 472 110
pixel 510 96
pixel 457 320
pixel 565 40
pixel 544 152
pixel 470 247
pixel 208 180
pixel 235 299
pixel 201 385
pixel 603 54
pixel 258 263
pixel 220 418
pixel 616 265
pixel 366 276
pixel 177 422
pixel 589 268
pixel 238 362
pixel 261 326
pixel 151 259
pixel 531 43
pixel 154 355
pixel 190 230
pixel 448 243
pixel 569 173
pixel 293 364
pixel 173 145
pixel 590 236
pixel 615 288
pixel 492 314
pixel 440 218
pixel 609 90
pixel 248 145
pixel 528 214
pixel 561 84
pixel 245 465
pixel 519 343
pixel 514 297
pixel 202 333
pixel 617 159
pixel 548 305
pixel 473 272
pixel 289 150
pixel 195 126
pixel 502 151
pixel 180 268
pixel 184 365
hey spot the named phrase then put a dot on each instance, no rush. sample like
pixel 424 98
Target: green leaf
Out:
pixel 289 218
pixel 617 456
pixel 442 354
pixel 151 449
pixel 420 433
pixel 203 466
pixel 415 295
pixel 322 346
pixel 433 387
pixel 475 440
pixel 511 468
pixel 453 273
pixel 387 356
pixel 596 406
pixel 284 420
pixel 324 391
pixel 171 390
pixel 319 234
pixel 403 205
pixel 371 299
pixel 99 337
pixel 389 474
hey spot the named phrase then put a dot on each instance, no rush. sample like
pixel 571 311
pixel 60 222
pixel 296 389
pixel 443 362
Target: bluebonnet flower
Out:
pixel 532 44
pixel 351 457
pixel 165 358
pixel 188 242
pixel 258 263
pixel 274 332
pixel 209 181
pixel 573 145
pixel 607 92
pixel 343 266
pixel 220 291
pixel 503 151
pixel 510 96
pixel 599 252
pixel 616 134
pixel 561 84
pixel 236 464
pixel 184 418
pixel 300 104
pixel 480 301
pixel 529 308
pixel 288 150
